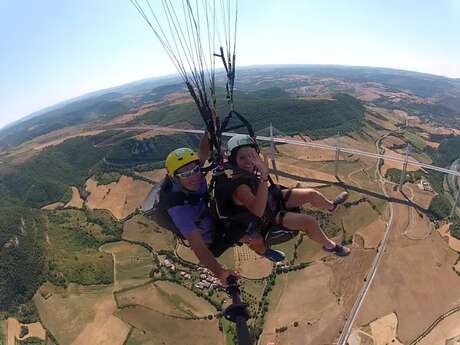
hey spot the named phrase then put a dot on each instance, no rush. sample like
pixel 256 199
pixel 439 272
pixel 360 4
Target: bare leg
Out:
pixel 301 196
pixel 307 224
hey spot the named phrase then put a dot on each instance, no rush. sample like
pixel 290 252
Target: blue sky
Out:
pixel 53 50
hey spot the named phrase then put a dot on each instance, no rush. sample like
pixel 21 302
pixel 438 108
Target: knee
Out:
pixel 314 194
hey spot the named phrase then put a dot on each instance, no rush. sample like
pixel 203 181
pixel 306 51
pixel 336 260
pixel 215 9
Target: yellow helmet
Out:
pixel 178 158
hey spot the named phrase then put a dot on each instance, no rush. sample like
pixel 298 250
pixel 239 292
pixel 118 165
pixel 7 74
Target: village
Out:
pixel 203 279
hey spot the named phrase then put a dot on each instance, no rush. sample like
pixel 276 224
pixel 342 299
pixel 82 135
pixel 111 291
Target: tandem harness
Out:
pixel 236 218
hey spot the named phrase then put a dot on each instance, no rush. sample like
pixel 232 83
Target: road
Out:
pixel 375 264
pixel 455 166
pixel 298 143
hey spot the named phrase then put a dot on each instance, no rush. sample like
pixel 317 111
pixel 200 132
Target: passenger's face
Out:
pixel 189 176
pixel 245 158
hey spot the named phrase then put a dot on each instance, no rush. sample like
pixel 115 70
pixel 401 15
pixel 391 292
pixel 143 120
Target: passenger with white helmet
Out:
pixel 249 195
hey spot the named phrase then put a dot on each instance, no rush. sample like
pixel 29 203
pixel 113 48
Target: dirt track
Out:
pixel 76 200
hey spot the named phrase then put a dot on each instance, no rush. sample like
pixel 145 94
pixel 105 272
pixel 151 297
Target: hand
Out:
pixel 225 274
pixel 261 166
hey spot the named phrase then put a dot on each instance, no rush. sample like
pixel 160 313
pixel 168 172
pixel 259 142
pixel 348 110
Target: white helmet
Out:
pixel 239 140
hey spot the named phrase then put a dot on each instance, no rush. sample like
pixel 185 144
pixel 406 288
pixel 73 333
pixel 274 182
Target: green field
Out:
pixel 168 330
pixel 140 229
pixel 133 264
pixel 415 140
pixel 74 239
pixel 66 315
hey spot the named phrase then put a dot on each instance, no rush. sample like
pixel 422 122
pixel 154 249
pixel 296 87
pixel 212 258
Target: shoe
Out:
pixel 274 255
pixel 340 199
pixel 338 250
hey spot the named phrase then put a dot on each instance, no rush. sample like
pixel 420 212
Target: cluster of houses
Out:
pixel 169 265
pixel 425 185
pixel 207 280
pixel 185 275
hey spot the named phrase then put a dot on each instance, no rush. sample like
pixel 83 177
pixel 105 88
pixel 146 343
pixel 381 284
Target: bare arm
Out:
pixel 257 203
pixel 243 195
pixel 204 148
pixel 205 256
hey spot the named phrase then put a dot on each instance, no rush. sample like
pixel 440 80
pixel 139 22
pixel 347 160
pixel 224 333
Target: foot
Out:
pixel 274 255
pixel 338 250
pixel 340 199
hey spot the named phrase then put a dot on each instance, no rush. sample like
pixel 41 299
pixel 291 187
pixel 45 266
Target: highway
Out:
pixel 300 143
pixel 375 264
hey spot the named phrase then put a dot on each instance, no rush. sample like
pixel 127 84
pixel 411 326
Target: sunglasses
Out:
pixel 189 173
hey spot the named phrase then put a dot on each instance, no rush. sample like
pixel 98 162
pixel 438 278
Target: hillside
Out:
pixel 442 94
pixel 317 118
pixel 97 268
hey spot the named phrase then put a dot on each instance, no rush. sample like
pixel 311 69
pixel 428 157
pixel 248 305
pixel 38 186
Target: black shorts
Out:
pixel 227 234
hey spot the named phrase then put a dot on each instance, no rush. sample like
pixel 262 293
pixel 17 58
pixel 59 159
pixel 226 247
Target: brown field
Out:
pixel 132 264
pixel 359 336
pixel 321 155
pixel 61 139
pixel 154 175
pixel 431 129
pixel 76 200
pixel 349 274
pixel 310 251
pixel 372 234
pixel 355 141
pixel 82 318
pixel 385 124
pixel 122 119
pixel 432 144
pixel 186 253
pixel 53 206
pixel 169 330
pixel 306 153
pixel 143 230
pixel 120 198
pixel 13 328
pixel 384 330
pixel 420 197
pixel 396 165
pixel 302 172
pixel 357 217
pixel 453 242
pixel 419 227
pixel 447 329
pixel 412 270
pixel 250 264
pixel 305 297
pixel 390 141
pixel 166 298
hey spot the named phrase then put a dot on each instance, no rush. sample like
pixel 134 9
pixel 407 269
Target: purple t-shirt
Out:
pixel 190 217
